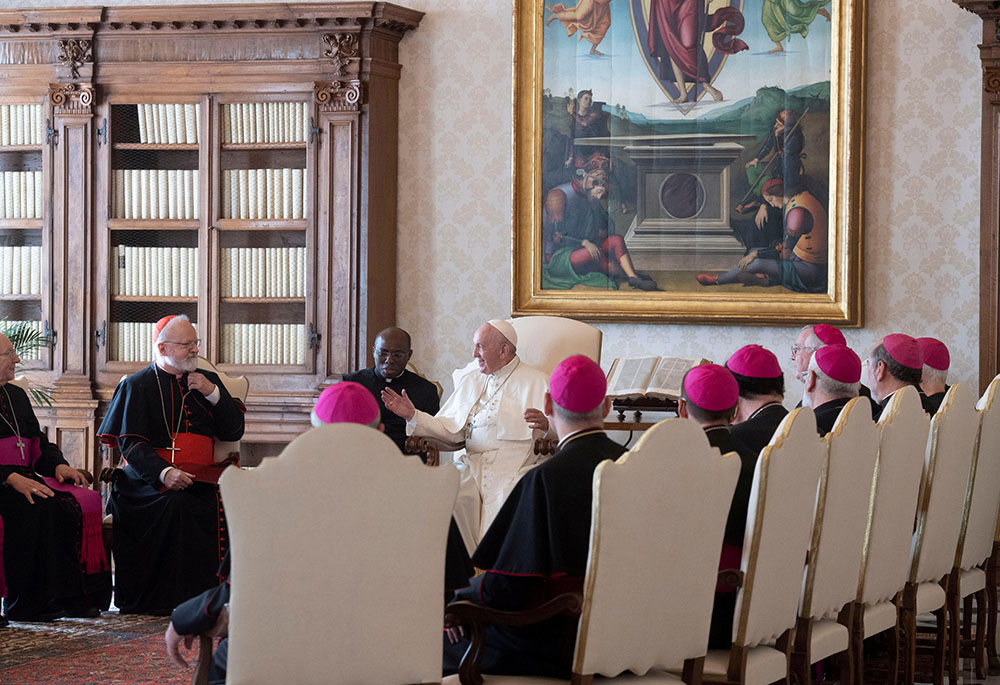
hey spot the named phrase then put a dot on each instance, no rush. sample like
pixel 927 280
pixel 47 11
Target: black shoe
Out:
pixel 641 284
pixel 44 617
pixel 4 622
pixel 79 609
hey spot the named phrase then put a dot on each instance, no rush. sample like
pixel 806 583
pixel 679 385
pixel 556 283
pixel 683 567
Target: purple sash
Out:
pixel 91 544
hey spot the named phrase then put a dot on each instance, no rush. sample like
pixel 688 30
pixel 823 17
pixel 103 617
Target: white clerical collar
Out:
pixel 579 434
pixel 502 373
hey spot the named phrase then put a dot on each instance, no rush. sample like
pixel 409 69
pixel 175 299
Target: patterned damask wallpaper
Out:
pixel 921 188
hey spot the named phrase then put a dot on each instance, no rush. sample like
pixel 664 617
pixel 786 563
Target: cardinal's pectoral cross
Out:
pixel 20 446
pixel 173 449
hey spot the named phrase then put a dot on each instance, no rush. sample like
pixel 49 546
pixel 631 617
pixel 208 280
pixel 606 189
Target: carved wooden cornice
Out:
pixel 339 96
pixel 991 80
pixel 71 98
pixel 342 48
pixel 211 18
pixel 73 53
pixel 984 8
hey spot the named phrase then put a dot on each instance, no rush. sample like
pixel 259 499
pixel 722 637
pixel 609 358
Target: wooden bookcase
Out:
pixel 146 123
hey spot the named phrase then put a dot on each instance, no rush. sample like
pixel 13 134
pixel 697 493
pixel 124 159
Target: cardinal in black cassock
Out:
pixel 50 531
pixel 537 546
pixel 169 531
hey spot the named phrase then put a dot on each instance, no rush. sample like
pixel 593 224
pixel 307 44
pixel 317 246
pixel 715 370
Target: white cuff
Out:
pixel 214 396
pixel 163 474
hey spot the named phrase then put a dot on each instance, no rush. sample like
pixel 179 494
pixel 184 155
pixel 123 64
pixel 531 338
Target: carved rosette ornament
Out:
pixel 71 98
pixel 991 80
pixel 339 96
pixel 73 53
pixel 341 49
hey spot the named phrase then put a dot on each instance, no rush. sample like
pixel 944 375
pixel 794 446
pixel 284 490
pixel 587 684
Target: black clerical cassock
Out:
pixel 53 556
pixel 167 543
pixel 535 549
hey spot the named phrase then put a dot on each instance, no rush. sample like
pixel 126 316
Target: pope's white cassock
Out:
pixel 487 412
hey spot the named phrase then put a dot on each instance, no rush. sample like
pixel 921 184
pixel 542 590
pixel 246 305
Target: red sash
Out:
pixel 196 455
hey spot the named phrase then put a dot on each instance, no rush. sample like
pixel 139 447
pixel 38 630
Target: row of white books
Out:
pixel 32 325
pixel 263 272
pixel 131 341
pixel 265 122
pixel 169 123
pixel 154 271
pixel 21 125
pixel 263 193
pixel 155 194
pixel 263 343
pixel 21 193
pixel 21 270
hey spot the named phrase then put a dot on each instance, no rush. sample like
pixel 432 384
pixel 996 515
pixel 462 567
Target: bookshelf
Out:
pixel 22 220
pixel 235 163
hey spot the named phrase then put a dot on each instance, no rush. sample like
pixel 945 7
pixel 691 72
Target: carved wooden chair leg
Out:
pixel 799 662
pixel 908 621
pixel 736 670
pixel 940 640
pixel 858 642
pixel 201 669
pixel 845 660
pixel 992 608
pixel 893 668
pixel 949 628
pixel 967 623
pixel 693 671
pixel 980 639
pixel 784 644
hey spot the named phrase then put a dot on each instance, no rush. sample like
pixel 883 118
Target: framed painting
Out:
pixel 689 160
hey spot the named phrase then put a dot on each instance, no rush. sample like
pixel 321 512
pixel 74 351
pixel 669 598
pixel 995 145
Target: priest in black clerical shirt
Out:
pixel 831 382
pixel 391 353
pixel 537 546
pixel 762 389
pixel 53 557
pixel 934 378
pixel 709 396
pixel 169 531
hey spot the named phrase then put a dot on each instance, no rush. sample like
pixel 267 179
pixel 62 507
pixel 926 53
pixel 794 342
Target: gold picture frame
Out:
pixel 689 228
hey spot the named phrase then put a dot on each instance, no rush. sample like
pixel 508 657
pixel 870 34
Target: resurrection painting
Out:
pixel 688 160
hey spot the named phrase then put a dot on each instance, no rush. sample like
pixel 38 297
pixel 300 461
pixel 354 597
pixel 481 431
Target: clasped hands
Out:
pixel 31 488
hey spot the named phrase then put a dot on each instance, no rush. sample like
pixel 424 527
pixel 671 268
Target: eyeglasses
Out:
pixel 9 353
pixel 395 355
pixel 798 348
pixel 190 344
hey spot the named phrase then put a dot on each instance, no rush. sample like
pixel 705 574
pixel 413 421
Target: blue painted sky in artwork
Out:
pixel 621 77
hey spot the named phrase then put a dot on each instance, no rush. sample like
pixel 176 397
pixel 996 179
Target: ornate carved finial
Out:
pixel 339 96
pixel 342 48
pixel 73 53
pixel 71 98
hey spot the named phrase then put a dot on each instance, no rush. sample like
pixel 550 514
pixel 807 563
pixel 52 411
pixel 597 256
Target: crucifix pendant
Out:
pixel 20 446
pixel 173 448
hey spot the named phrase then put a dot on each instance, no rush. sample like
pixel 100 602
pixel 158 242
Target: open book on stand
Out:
pixel 653 377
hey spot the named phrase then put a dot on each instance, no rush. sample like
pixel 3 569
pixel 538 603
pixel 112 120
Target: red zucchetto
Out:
pixel 839 362
pixel 578 384
pixel 754 361
pixel 904 350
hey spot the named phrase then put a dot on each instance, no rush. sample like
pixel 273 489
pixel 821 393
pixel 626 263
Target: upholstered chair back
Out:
pixel 977 536
pixel 841 512
pixel 544 341
pixel 902 442
pixel 779 521
pixel 338 551
pixel 946 478
pixel 659 515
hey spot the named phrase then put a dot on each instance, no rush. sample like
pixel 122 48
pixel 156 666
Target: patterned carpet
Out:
pixel 109 649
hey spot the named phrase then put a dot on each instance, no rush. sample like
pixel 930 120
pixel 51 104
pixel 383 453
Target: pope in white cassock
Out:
pixel 492 411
